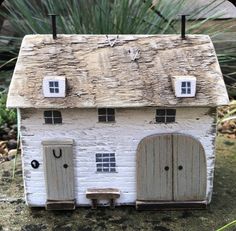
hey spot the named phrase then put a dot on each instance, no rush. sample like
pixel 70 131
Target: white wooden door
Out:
pixel 154 168
pixel 171 167
pixel 58 167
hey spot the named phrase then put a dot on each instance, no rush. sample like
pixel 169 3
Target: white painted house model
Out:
pixel 128 118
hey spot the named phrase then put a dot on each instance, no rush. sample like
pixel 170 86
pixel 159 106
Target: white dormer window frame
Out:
pixel 184 86
pixel 54 86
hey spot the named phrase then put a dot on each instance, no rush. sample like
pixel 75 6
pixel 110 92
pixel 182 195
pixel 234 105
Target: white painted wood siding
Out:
pixel 121 137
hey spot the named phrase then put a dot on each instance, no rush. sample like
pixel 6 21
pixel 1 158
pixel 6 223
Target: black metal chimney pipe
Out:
pixel 54 26
pixel 183 24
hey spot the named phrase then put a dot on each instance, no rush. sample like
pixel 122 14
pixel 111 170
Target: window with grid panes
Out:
pixel 52 117
pixel 106 115
pixel 53 86
pixel 165 115
pixel 105 162
pixel 186 88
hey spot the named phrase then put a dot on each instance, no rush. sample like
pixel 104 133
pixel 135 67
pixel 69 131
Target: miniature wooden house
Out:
pixel 133 115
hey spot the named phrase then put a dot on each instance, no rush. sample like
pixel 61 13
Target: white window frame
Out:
pixel 105 162
pixel 54 91
pixel 184 91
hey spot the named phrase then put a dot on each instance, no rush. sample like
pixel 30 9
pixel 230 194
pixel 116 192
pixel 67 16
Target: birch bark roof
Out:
pixel 134 71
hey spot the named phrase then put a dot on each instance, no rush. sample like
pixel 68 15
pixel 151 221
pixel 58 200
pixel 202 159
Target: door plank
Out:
pixel 190 182
pixel 59 180
pixel 153 181
pixel 165 176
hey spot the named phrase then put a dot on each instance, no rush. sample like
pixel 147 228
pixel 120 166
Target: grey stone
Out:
pixel 12 144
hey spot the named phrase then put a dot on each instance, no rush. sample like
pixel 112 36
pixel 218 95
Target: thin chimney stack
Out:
pixel 54 26
pixel 183 26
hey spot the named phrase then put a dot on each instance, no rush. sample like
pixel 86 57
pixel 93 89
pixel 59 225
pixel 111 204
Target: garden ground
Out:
pixel 16 216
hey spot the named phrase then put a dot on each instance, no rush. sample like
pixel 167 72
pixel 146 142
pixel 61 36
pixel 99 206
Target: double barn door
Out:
pixel 171 167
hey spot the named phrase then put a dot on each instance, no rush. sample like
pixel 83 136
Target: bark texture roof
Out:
pixel 134 71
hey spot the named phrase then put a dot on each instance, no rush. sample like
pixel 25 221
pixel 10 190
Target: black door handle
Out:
pixel 180 167
pixel 167 168
pixel 65 166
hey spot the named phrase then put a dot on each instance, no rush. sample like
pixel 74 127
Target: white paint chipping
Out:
pixel 91 137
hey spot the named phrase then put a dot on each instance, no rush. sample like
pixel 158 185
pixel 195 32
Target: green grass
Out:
pixel 7 116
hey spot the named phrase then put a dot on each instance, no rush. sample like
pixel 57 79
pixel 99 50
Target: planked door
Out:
pixel 189 166
pixel 171 167
pixel 59 173
pixel 154 168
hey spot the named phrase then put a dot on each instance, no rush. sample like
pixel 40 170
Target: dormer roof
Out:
pixel 111 71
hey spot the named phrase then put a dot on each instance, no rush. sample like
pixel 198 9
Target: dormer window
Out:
pixel 184 86
pixel 54 86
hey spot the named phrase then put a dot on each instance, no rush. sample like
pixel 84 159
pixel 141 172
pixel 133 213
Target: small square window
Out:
pixel 106 115
pixel 105 162
pixel 53 86
pixel 165 115
pixel 186 88
pixel 52 117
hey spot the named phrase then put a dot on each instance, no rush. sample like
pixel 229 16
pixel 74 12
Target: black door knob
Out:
pixel 167 168
pixel 180 167
pixel 65 166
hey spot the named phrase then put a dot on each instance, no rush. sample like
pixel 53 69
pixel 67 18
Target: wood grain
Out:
pixel 99 75
pixel 171 167
pixel 59 179
pixel 190 181
pixel 153 181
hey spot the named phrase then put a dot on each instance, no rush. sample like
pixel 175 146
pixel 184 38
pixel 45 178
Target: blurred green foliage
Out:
pixel 7 116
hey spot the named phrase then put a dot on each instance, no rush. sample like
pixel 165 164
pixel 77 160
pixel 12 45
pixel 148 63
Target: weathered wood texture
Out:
pixel 102 193
pixel 59 172
pixel 91 137
pixel 189 167
pixel 60 205
pixel 99 75
pixel 154 155
pixel 96 194
pixel 171 167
